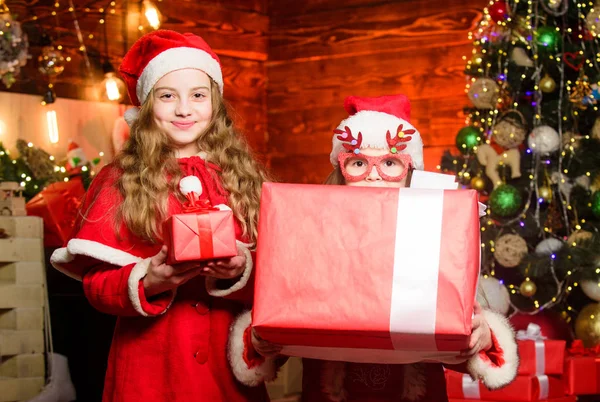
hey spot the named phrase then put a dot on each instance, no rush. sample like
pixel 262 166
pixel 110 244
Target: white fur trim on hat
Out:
pixel 251 376
pixel 131 115
pixel 374 126
pixel 497 376
pixel 173 59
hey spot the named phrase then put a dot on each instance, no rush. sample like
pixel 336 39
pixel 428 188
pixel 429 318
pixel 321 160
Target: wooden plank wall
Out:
pixel 235 29
pixel 321 51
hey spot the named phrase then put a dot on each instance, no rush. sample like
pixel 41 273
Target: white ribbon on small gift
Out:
pixel 544 386
pixel 534 333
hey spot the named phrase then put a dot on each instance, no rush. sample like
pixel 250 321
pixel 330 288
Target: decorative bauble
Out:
pixel 484 93
pixel 587 325
pixel 578 237
pixel 510 132
pixel 505 200
pixel 591 288
pixel 528 288
pixel 547 84
pixel 478 183
pixel 548 246
pixel 547 37
pixel 13 47
pixel 498 11
pixel 493 295
pixel 467 139
pixel 545 193
pixel 510 250
pixel 592 21
pixel 596 204
pixel 544 140
pixel 51 62
pixel 520 58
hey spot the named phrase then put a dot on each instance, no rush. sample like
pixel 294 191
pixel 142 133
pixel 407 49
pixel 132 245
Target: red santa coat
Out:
pixel 330 381
pixel 172 347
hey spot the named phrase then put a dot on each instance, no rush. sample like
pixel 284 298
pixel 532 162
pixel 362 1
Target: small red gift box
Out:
pixel 366 274
pixel 582 370
pixel 523 388
pixel 58 205
pixel 560 399
pixel 539 355
pixel 199 236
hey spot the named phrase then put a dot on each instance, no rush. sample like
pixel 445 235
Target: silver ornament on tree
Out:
pixel 510 250
pixel 484 93
pixel 591 289
pixel 13 47
pixel 493 295
pixel 548 246
pixel 544 140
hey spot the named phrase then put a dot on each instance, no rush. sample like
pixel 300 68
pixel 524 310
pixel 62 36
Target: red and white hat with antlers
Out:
pixel 378 122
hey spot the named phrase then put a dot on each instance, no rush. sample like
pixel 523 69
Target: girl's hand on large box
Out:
pixel 481 335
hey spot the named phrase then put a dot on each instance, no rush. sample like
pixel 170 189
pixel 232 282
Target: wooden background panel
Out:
pixel 378 48
pixel 348 32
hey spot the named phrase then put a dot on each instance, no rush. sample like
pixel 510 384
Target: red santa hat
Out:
pixel 374 118
pixel 160 52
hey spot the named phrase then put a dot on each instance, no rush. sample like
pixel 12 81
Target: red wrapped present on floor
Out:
pixel 523 388
pixel 200 233
pixel 582 370
pixel 539 355
pixel 58 205
pixel 366 274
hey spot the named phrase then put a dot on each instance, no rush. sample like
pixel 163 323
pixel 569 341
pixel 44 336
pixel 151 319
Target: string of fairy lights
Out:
pixel 509 32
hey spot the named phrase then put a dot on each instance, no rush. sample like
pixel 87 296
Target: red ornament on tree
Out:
pixel 498 11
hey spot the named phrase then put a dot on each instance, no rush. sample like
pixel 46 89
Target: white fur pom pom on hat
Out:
pixel 190 184
pixel 131 115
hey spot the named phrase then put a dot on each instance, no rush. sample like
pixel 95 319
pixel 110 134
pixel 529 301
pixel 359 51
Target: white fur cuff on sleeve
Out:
pixel 251 376
pixel 138 272
pixel 493 375
pixel 211 282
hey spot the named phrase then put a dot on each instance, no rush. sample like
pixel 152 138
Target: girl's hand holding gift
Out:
pixel 229 268
pixel 481 337
pixel 162 277
pixel 264 348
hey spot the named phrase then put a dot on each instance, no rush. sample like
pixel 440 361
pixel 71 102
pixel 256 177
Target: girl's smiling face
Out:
pixel 183 108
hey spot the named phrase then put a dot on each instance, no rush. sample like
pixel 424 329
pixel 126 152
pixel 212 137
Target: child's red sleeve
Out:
pixel 119 290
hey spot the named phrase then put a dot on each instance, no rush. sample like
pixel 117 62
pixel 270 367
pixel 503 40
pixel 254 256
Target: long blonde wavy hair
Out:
pixel 150 171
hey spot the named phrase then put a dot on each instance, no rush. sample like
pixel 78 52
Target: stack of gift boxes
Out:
pixel 547 372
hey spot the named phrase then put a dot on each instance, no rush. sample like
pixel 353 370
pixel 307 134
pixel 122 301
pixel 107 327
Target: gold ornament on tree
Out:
pixel 528 288
pixel 487 156
pixel 478 183
pixel 510 250
pixel 477 59
pixel 587 325
pixel 545 193
pixel 484 93
pixel 547 84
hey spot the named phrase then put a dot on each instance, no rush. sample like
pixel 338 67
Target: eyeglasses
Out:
pixel 391 167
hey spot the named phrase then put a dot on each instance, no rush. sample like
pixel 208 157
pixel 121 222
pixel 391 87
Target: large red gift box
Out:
pixel 366 274
pixel 523 388
pixel 200 236
pixel 58 205
pixel 541 357
pixel 582 370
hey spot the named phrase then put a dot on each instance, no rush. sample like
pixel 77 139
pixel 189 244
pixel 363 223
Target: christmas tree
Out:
pixel 531 147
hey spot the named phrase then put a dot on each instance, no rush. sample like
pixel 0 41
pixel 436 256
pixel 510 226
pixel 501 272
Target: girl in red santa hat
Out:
pixel 376 146
pixel 170 341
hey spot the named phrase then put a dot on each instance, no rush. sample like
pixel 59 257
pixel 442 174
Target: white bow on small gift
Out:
pixel 532 333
